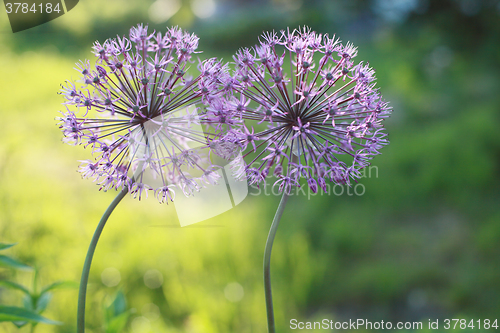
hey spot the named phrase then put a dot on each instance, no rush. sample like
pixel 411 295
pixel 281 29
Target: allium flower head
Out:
pixel 138 110
pixel 310 112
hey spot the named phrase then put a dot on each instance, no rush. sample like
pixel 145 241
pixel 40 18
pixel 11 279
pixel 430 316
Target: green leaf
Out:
pixel 119 304
pixel 19 324
pixel 14 313
pixel 4 246
pixel 29 302
pixel 117 324
pixel 42 302
pixel 14 285
pixel 13 263
pixel 59 285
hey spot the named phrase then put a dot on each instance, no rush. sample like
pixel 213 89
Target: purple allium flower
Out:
pixel 138 110
pixel 323 112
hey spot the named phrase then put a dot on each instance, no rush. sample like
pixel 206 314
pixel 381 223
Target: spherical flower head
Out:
pixel 310 112
pixel 143 116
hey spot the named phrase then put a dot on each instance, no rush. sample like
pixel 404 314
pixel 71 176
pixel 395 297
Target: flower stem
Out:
pixel 80 321
pixel 267 262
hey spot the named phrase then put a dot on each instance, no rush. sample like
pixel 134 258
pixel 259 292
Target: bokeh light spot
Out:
pixel 110 277
pixel 153 279
pixel 234 292
pixel 151 311
pixel 203 8
pixel 161 10
pixel 141 325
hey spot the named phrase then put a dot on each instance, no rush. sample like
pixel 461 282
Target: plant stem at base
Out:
pixel 82 294
pixel 267 262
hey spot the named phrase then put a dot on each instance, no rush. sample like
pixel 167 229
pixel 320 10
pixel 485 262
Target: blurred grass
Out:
pixel 422 242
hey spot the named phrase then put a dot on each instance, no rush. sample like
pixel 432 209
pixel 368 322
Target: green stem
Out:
pixel 267 263
pixel 80 321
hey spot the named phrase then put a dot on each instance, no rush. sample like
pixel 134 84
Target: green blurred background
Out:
pixel 421 243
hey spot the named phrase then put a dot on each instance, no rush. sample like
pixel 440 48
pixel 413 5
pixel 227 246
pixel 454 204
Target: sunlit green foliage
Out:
pixel 34 302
